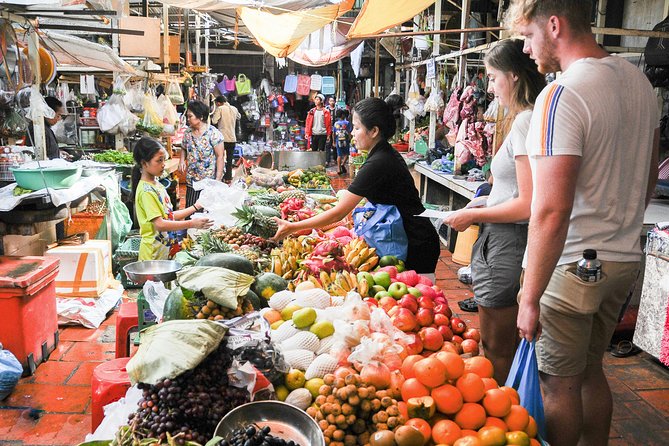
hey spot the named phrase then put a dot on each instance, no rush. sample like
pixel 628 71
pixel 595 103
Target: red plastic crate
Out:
pixel 28 317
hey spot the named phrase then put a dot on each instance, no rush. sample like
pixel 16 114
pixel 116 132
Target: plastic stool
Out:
pixel 127 320
pixel 109 383
pixel 464 244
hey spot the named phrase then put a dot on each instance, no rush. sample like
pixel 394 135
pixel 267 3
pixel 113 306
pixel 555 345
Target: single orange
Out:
pixel 534 442
pixel 490 383
pixel 471 416
pixel 492 436
pixel 448 399
pixel 497 422
pixel 469 432
pixel 497 403
pixel 532 428
pixel 430 372
pixel 479 365
pixel 272 316
pixel 455 366
pixel 471 387
pixel 407 365
pixel 422 425
pixel 517 438
pixel 513 394
pixel 446 432
pixel 517 418
pixel 469 440
pixel 412 388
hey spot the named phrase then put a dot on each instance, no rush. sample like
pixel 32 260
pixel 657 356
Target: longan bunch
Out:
pixel 348 411
pixel 214 312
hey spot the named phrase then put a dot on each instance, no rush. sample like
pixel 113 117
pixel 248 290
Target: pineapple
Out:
pixel 210 243
pixel 295 193
pixel 267 200
pixel 257 220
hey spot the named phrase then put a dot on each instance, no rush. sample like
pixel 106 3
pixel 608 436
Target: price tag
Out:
pixel 431 71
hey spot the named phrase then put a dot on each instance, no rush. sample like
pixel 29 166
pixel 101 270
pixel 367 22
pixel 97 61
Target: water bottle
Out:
pixel 589 268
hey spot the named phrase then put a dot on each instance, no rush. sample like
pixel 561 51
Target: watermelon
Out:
pixel 257 302
pixel 177 306
pixel 226 260
pixel 267 284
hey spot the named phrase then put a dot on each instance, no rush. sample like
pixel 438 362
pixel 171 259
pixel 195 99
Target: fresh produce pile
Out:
pixel 313 178
pixel 252 436
pixel 114 156
pixel 189 407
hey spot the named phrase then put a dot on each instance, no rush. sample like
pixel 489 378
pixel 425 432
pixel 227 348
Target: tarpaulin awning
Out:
pixel 327 45
pixel 276 6
pixel 281 34
pixel 379 15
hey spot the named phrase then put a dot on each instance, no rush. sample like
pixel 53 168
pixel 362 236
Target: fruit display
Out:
pixel 188 407
pixel 226 239
pixel 215 312
pixel 294 209
pixel 360 255
pixel 251 436
pixel 313 178
pixel 287 258
pixel 257 220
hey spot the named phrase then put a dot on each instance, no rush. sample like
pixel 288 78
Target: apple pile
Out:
pixel 419 308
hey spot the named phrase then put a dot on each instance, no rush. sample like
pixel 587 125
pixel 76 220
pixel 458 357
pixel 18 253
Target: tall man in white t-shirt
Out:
pixel 592 145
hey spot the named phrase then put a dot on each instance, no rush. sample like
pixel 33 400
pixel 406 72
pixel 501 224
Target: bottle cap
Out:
pixel 590 254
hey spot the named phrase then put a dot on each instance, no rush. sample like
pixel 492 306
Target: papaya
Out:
pixel 177 306
pixel 421 407
pixel 226 260
pixel 266 284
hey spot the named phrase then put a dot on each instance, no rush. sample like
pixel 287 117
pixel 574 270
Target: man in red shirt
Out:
pixel 318 127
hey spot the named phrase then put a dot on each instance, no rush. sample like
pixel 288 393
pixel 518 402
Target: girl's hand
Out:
pixel 182 166
pixel 201 223
pixel 460 220
pixel 198 206
pixel 283 231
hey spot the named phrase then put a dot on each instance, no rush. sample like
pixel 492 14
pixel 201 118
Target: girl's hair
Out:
pixel 374 112
pixel 144 151
pixel 508 56
pixel 199 109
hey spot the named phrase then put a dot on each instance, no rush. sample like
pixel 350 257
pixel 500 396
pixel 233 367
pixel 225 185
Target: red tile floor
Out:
pixel 53 407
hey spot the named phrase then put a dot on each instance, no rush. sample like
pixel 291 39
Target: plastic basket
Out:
pixel 90 223
pixel 327 191
pixel 127 252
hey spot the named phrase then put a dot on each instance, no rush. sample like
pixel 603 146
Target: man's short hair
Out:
pixel 221 100
pixel 577 12
pixel 53 103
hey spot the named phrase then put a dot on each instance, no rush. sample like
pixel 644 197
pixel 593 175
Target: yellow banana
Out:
pixel 293 262
pixel 372 252
pixel 355 261
pixel 337 290
pixel 354 280
pixel 364 253
pixel 372 261
pixel 342 282
pixel 363 288
pixel 316 283
pixel 288 275
pixel 277 266
pixel 325 279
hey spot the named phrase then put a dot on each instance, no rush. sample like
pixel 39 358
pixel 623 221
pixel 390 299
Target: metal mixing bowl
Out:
pixel 154 270
pixel 286 421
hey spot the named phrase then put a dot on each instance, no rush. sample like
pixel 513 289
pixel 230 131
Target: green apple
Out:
pixel 388 261
pixel 363 275
pixel 381 294
pixel 398 289
pixel 414 292
pixel 382 278
pixel 401 267
pixel 375 289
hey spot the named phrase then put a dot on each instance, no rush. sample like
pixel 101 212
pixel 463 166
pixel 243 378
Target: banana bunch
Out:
pixel 285 260
pixel 187 244
pixel 337 283
pixel 360 255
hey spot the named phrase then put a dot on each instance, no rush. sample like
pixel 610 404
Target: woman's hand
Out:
pixel 283 231
pixel 182 165
pixel 198 206
pixel 460 220
pixel 201 223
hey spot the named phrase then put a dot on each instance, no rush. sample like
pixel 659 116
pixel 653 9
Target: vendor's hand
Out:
pixel 283 231
pixel 201 223
pixel 182 166
pixel 459 220
pixel 528 323
pixel 198 206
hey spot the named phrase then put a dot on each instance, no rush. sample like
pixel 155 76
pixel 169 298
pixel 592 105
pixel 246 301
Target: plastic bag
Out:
pixel 465 274
pixel 134 98
pixel 168 110
pixel 174 93
pixel 382 227
pixel 14 125
pixel 10 372
pixel 434 102
pixel 152 121
pixel 220 201
pixel 116 415
pixel 111 114
pixel 155 294
pixel 524 377
pixel 89 312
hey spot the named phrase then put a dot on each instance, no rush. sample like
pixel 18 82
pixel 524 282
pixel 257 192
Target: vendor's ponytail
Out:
pixel 144 151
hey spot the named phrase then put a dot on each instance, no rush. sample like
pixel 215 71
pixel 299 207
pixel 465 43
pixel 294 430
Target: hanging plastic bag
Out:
pixel 434 102
pixel 152 122
pixel 303 84
pixel 316 82
pixel 174 93
pixel 290 84
pixel 524 377
pixel 39 106
pixel 7 94
pixel 243 85
pixel 110 115
pixel 220 84
pixel 10 372
pixel 14 125
pixel 231 84
pixel 169 113
pixel 134 98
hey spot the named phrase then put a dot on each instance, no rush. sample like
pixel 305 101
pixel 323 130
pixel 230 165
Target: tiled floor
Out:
pixel 53 407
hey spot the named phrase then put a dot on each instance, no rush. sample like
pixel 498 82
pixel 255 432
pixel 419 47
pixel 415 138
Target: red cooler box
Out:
pixel 28 317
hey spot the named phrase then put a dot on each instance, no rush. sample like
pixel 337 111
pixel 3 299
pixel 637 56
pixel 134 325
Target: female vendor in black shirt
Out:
pixel 383 179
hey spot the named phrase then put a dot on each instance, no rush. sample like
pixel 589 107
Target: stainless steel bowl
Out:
pixel 154 270
pixel 286 421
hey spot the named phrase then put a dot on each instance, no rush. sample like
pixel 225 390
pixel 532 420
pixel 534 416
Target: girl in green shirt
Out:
pixel 158 222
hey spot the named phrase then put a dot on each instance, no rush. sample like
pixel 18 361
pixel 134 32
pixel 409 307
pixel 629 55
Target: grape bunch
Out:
pixel 215 312
pixel 252 436
pixel 189 407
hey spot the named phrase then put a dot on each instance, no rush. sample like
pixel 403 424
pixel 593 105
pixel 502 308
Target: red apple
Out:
pixel 446 332
pixel 426 302
pixel 392 270
pixel 410 277
pixel 432 339
pixel 409 302
pixel 414 345
pixel 470 346
pixel 393 311
pixel 426 291
pixel 405 320
pixel 443 309
pixel 425 281
pixel 457 339
pixel 425 317
pixel 371 302
pixel 387 302
pixel 441 319
pixel 472 333
pixel 458 325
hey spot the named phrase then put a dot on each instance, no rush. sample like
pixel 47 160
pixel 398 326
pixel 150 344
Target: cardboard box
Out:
pixel 85 269
pixel 147 45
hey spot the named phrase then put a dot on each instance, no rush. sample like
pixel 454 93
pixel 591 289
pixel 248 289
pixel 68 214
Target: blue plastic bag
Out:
pixel 382 227
pixel 10 372
pixel 524 377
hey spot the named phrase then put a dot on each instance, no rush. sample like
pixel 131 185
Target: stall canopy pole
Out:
pixel 38 117
pixel 435 80
pixel 376 68
pixel 462 66
pixel 198 56
pixel 601 19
